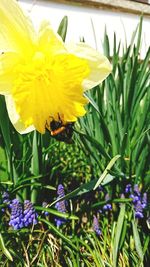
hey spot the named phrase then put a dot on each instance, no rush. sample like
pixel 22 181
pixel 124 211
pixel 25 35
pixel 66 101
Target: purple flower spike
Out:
pixel 135 198
pixel 60 190
pixel 61 205
pixel 16 219
pixel 5 200
pixel 139 202
pixel 30 216
pixel 138 210
pixel 128 188
pixel 5 197
pixel 96 226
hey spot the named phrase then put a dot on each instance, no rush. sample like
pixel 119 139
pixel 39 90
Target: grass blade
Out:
pixel 109 166
pixel 117 237
pixel 4 249
pixel 137 240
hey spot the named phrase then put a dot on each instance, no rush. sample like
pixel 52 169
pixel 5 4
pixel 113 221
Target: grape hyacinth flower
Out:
pixel 5 199
pixel 128 188
pixel 139 202
pixel 44 204
pixel 135 198
pixel 107 206
pixel 16 219
pixel 140 205
pixel 60 191
pixel 96 227
pixel 30 216
pixel 138 210
pixel 61 205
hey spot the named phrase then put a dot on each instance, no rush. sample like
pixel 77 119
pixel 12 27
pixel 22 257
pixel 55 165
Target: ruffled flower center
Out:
pixel 49 87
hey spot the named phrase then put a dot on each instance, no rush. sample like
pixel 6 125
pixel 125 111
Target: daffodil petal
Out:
pixel 16 30
pixel 5 84
pixel 8 61
pixel 99 65
pixel 15 118
pixel 49 41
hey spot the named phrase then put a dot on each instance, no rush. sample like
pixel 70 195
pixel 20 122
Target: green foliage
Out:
pixel 117 121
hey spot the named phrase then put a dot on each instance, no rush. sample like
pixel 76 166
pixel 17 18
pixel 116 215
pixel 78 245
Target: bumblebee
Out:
pixel 61 132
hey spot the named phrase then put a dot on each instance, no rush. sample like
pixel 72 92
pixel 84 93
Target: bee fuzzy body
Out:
pixel 61 132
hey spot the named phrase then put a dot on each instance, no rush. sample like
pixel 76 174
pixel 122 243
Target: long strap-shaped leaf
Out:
pixel 109 166
pixel 4 249
pixel 118 234
pixel 137 241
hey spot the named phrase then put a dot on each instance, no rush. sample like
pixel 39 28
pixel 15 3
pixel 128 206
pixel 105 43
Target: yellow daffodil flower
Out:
pixel 42 78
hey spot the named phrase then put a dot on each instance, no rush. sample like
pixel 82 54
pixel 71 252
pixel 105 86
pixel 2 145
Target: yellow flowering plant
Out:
pixel 43 79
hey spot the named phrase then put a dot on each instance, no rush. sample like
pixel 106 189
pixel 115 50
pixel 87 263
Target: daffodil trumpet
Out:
pixel 40 75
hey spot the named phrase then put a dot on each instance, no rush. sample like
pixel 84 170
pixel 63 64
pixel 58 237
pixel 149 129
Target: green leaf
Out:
pixel 97 145
pixel 91 100
pixel 35 158
pixel 4 124
pixel 109 166
pixel 62 30
pixel 4 249
pixel 57 213
pixel 137 241
pixel 106 46
pixel 35 165
pixel 117 237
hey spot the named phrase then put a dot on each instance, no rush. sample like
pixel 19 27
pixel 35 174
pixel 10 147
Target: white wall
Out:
pixel 84 22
